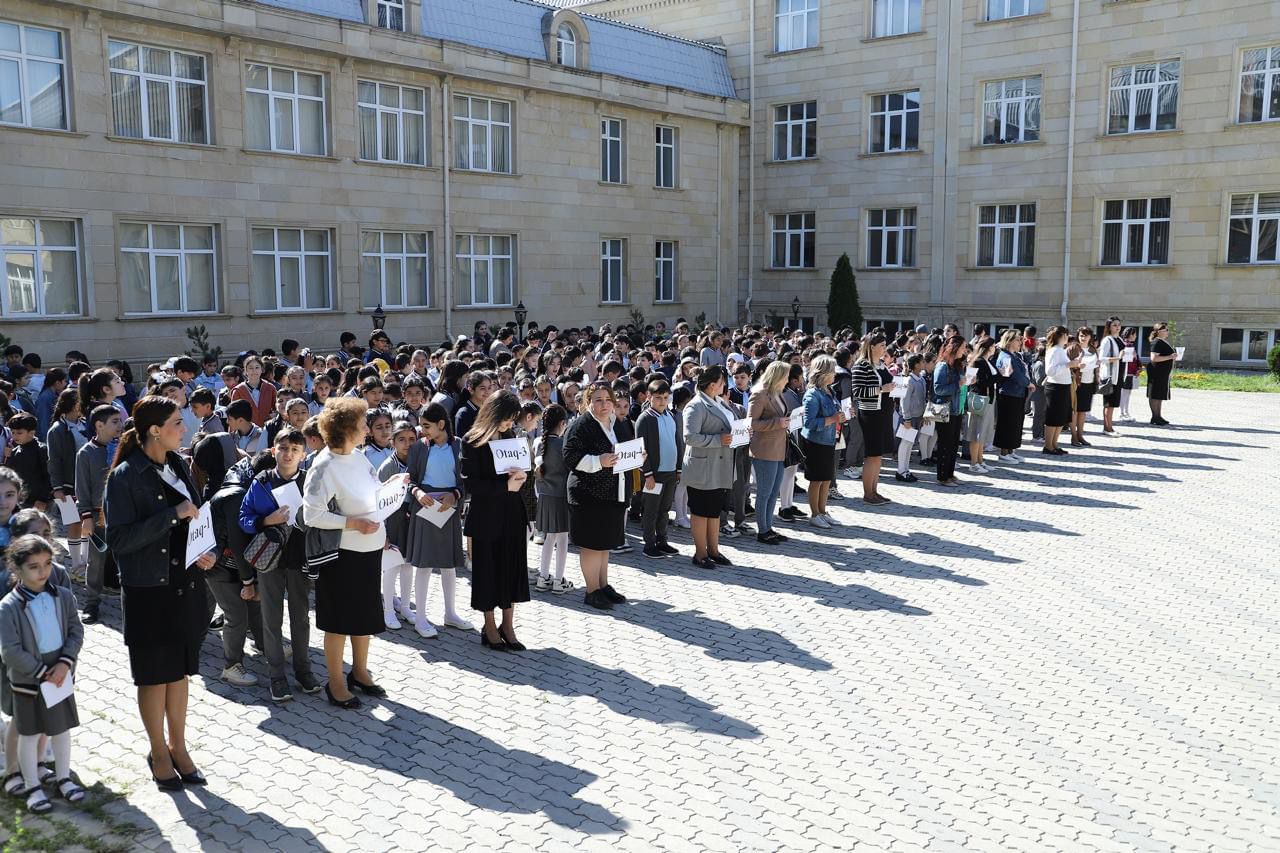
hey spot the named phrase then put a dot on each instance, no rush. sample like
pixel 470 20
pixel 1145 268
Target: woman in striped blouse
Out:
pixel 872 383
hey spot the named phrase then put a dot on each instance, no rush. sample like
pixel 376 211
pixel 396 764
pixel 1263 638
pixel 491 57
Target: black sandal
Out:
pixel 70 791
pixel 11 789
pixel 173 783
pixel 367 689
pixel 37 802
pixel 195 777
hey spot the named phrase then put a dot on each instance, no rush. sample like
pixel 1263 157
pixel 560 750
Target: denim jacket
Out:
pixel 1015 384
pixel 818 406
pixel 946 386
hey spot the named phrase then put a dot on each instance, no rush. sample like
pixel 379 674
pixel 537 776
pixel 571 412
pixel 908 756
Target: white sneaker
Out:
pixel 820 521
pixel 453 620
pixel 236 676
pixel 538 539
pixel 1010 459
pixel 561 586
pixel 990 448
pixel 425 629
pixel 979 469
pixel 684 524
pixel 543 584
pixel 1016 455
pixel 831 522
pixel 389 619
pixel 404 608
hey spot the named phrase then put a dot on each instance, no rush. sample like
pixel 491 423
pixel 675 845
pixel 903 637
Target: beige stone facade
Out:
pixel 1206 156
pixel 552 205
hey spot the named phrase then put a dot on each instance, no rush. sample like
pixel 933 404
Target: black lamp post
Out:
pixel 522 314
pixel 379 317
pixel 795 313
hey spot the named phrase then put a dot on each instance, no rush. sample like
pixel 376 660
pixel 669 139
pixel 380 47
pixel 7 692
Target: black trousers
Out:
pixel 948 441
pixel 656 508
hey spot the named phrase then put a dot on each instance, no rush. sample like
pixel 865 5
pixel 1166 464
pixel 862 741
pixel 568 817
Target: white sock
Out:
pixel 904 456
pixel 548 545
pixel 78 548
pixel 29 759
pixel 406 583
pixel 562 553
pixel 422 591
pixel 62 754
pixel 449 585
pixel 389 589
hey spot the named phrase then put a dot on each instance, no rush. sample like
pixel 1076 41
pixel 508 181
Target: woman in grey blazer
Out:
pixel 708 464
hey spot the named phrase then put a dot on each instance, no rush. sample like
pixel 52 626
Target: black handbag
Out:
pixel 795 453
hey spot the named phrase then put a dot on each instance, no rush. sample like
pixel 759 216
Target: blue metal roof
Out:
pixel 347 10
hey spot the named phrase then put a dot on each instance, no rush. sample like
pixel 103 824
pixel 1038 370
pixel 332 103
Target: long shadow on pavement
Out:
pixel 216 818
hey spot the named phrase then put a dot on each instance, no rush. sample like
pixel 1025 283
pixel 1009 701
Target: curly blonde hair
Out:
pixel 340 420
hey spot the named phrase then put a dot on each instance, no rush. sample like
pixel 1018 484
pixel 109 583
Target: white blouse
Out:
pixel 1057 366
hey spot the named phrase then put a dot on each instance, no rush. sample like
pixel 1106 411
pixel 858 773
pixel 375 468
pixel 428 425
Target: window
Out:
pixel 1144 97
pixel 290 269
pixel 391 14
pixel 999 10
pixel 566 46
pixel 1260 85
pixel 613 270
pixel 895 17
pixel 795 24
pixel 484 271
pixel 158 93
pixel 395 269
pixel 42 268
pixel 664 263
pixel 481 134
pixel 1255 221
pixel 1011 111
pixel 892 328
pixel 996 328
pixel 393 123
pixel 891 237
pixel 793 239
pixel 795 131
pixel 1246 345
pixel 665 157
pixel 1135 232
pixel 285 111
pixel 1006 235
pixel 611 151
pixel 167 268
pixel 895 122
pixel 32 77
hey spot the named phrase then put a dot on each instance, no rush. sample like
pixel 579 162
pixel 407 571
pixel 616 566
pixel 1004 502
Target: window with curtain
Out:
pixel 1135 232
pixel 32 77
pixel 484 270
pixel 612 149
pixel 998 10
pixel 393 123
pixel 1260 85
pixel 1007 235
pixel 284 110
pixel 566 46
pixel 291 269
pixel 795 25
pixel 1143 97
pixel 1011 111
pixel 895 17
pixel 157 93
pixel 391 14
pixel 795 131
pixel 665 157
pixel 793 236
pixel 395 269
pixel 895 122
pixel 613 270
pixel 665 253
pixel 1253 229
pixel 891 237
pixel 481 134
pixel 167 268
pixel 42 267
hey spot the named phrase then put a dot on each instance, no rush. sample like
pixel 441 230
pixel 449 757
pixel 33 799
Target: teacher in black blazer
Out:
pixel 597 496
pixel 150 500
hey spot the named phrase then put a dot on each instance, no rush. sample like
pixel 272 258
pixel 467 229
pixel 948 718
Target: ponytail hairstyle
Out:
pixel 66 403
pixel 1155 332
pixel 93 385
pixel 552 417
pixel 1053 337
pixel 435 414
pixel 503 406
pixel 150 411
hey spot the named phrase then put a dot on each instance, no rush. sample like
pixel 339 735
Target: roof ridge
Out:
pixel 715 48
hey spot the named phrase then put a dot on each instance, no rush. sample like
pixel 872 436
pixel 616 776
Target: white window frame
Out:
pixel 666 143
pixel 386 20
pixel 613 271
pixel 1012 109
pixel 1144 223
pixel 895 234
pixel 1255 218
pixel 1130 93
pixel 399 112
pixel 796 130
pixel 788 15
pixel 566 47
pixel 294 98
pixel 896 17
pixel 471 256
pixel 793 226
pixel 889 114
pixel 1272 338
pixel 23 58
pixel 891 327
pixel 485 126
pixel 1014 229
pixel 403 256
pixel 37 251
pixel 181 253
pixel 1269 81
pixel 301 255
pixel 613 150
pixel 666 271
pixel 1004 10
pixel 169 81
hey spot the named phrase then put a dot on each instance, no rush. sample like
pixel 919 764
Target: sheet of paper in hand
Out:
pixel 1128 355
pixel 970 376
pixel 390 497
pixel 846 408
pixel 741 432
pixel 289 496
pixel 656 490
pixel 200 539
pixel 511 454
pixel 437 513
pixel 906 433
pixel 54 694
pixel 630 455
pixel 797 419
pixel 68 510
pixel 900 384
pixel 1181 352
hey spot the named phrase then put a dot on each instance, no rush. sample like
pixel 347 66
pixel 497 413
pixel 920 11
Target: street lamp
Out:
pixel 522 314
pixel 379 317
pixel 795 313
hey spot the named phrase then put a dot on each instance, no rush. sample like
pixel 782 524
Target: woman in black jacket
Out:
pixel 150 499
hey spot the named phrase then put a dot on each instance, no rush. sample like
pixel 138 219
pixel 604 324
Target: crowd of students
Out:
pixel 358 475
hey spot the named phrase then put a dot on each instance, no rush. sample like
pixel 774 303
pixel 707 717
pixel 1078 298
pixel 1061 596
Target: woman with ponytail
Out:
pixel 102 387
pixel 150 499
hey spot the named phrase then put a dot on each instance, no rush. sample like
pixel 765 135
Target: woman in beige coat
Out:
pixel 769 423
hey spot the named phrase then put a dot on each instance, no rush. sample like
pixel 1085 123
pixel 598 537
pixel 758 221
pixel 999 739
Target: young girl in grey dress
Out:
pixel 394 564
pixel 551 484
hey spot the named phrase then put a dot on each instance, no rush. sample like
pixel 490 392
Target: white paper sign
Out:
pixel 200 539
pixel 1181 352
pixel 906 433
pixel 900 384
pixel 797 419
pixel 741 432
pixel 970 376
pixel 630 455
pixel 54 694
pixel 289 496
pixel 68 510
pixel 846 407
pixel 1128 355
pixel 437 513
pixel 656 490
pixel 927 428
pixel 511 454
pixel 390 497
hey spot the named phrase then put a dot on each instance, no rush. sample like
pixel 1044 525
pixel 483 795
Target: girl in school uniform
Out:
pixel 553 498
pixel 377 448
pixel 394 565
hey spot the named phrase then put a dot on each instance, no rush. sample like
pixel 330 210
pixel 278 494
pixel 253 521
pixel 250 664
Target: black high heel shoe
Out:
pixel 195 777
pixel 367 689
pixel 173 783
pixel 511 644
pixel 499 646
pixel 353 702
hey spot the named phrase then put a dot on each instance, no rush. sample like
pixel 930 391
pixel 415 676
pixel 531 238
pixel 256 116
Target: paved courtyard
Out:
pixel 1075 654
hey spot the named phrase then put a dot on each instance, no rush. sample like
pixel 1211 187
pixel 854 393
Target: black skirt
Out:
pixel 1112 400
pixel 349 594
pixel 819 462
pixel 1158 384
pixel 500 571
pixel 1057 412
pixel 165 626
pixel 707 503
pixel 597 525
pixel 1084 396
pixel 877 430
pixel 1010 412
